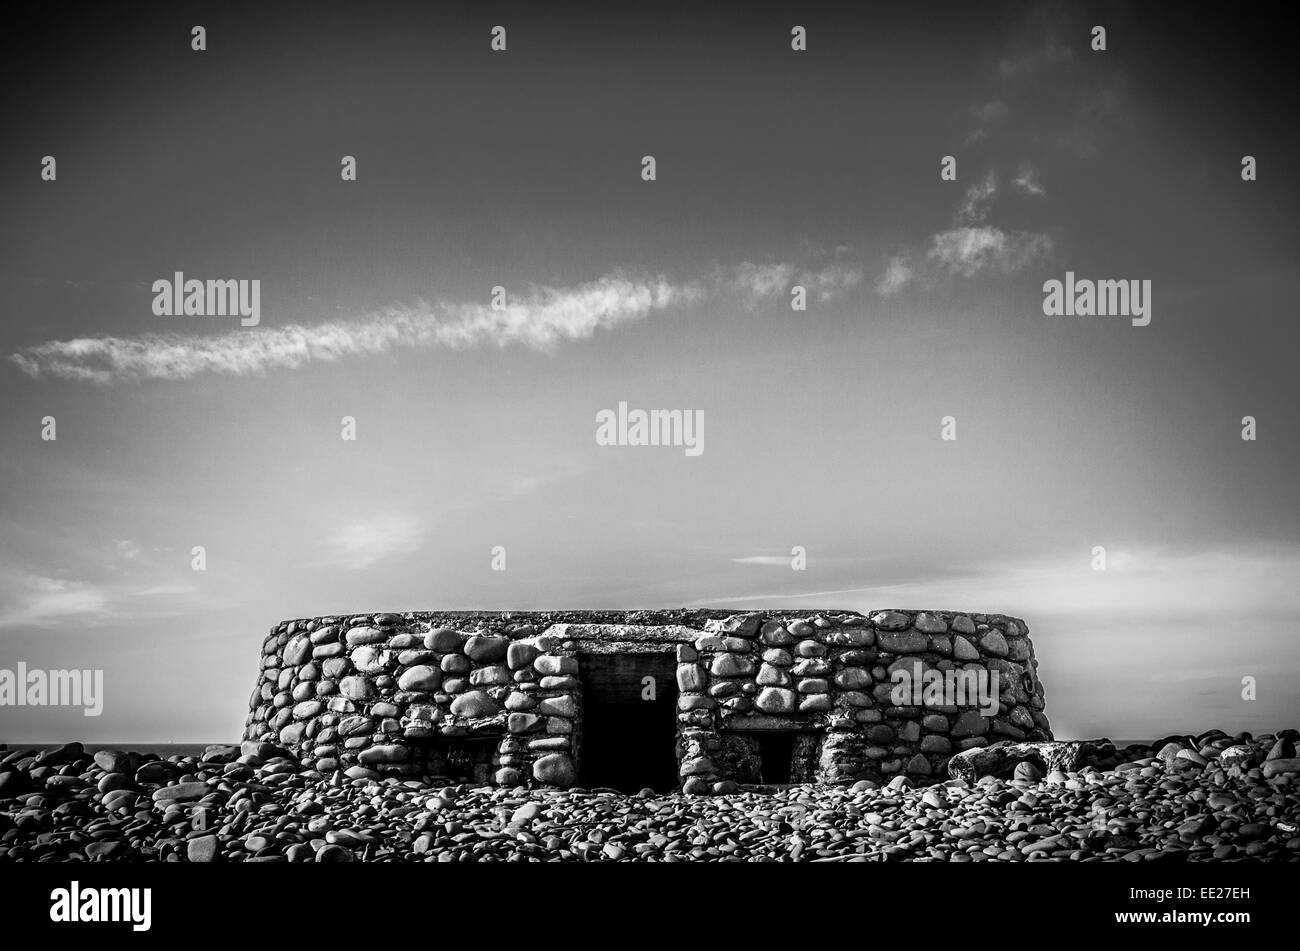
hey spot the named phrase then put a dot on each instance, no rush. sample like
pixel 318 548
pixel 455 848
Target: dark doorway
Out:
pixel 627 742
pixel 775 753
pixel 459 761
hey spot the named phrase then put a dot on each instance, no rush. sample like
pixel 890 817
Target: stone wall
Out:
pixel 497 697
pixel 831 676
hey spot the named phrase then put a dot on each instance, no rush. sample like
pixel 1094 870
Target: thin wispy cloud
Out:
pixel 38 601
pixel 784 561
pixel 1137 583
pixel 521 485
pixel 34 600
pixel 995 110
pixel 542 320
pixel 767 560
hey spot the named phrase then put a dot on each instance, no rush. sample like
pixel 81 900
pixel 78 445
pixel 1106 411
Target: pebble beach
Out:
pixel 1194 798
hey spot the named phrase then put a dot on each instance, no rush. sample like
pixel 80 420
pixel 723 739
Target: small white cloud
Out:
pixel 977 204
pixel 366 542
pixel 127 548
pixel 897 275
pixel 1027 182
pixel 773 560
pixel 969 251
pixel 1050 53
pixel 522 484
pixel 831 281
pixel 760 281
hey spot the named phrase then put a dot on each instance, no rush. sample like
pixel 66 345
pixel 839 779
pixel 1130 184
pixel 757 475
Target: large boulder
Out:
pixel 1001 759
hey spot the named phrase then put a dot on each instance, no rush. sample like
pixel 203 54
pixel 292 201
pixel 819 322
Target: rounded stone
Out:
pixel 928 623
pixel 356 687
pixel 562 706
pixel 690 677
pixel 994 644
pixel 370 659
pixel 297 651
pixel 444 640
pixel 732 665
pixel 891 620
pixel 307 709
pixel 520 655
pixel 776 700
pixel 523 722
pixel 970 723
pixel 474 704
pixel 356 726
pixel 387 754
pixel 1027 772
pixel 420 677
pixel 811 667
pixel 491 676
pixel 364 635
pixel 852 678
pixel 554 665
pixel 455 664
pixel 933 743
pixel 508 776
pixel 486 649
pixel 902 642
pixel 555 769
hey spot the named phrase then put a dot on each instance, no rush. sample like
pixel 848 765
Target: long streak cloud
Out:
pixel 542 320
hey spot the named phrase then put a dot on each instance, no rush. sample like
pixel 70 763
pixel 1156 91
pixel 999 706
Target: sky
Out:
pixel 475 427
